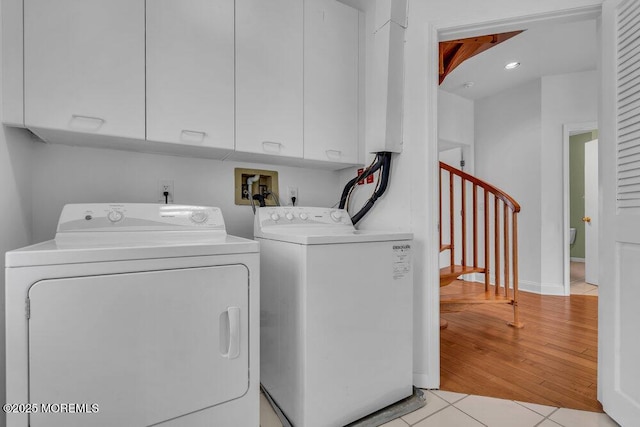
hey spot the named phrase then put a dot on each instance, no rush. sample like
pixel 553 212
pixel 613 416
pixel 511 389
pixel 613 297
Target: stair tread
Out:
pixel 452 272
pixel 458 270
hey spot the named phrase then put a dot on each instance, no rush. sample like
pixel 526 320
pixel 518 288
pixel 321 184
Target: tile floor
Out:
pixel 447 409
pixel 578 285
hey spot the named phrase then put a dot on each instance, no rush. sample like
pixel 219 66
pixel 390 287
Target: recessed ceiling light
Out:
pixel 467 85
pixel 512 65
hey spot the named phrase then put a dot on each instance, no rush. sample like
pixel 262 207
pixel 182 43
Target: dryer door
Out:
pixel 144 347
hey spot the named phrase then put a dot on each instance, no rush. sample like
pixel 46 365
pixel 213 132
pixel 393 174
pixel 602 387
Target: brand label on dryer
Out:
pixel 401 261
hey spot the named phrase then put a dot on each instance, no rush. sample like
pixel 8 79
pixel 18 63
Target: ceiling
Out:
pixel 557 48
pixel 455 52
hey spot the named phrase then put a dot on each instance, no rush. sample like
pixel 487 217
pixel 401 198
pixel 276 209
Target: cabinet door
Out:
pixel 84 66
pixel 190 75
pixel 330 81
pixel 269 76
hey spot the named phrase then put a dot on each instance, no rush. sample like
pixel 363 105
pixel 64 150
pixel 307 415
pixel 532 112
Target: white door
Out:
pixel 619 155
pixel 330 81
pixel 84 66
pixel 145 347
pixel 591 211
pixel 269 85
pixel 190 72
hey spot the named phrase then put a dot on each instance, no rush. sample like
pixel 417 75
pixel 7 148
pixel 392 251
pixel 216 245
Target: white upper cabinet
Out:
pixel 269 77
pixel 190 72
pixel 330 81
pixel 84 66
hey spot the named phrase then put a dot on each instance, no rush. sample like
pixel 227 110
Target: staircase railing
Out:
pixel 493 243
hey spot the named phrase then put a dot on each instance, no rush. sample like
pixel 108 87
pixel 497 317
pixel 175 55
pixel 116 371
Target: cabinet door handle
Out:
pixel 334 154
pixel 192 136
pixel 85 123
pixel 233 350
pixel 271 147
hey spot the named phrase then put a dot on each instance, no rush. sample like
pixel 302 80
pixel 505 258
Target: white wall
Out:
pixel 566 98
pixel 66 174
pixel 15 213
pixel 456 126
pixel 533 175
pixel 455 119
pixel 508 133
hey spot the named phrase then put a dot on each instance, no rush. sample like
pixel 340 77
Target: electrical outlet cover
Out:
pixel 165 185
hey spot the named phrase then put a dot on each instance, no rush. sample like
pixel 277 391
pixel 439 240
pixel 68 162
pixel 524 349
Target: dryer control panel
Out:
pixel 138 217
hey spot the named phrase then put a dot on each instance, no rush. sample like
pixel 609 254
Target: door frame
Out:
pixel 567 130
pixel 434 33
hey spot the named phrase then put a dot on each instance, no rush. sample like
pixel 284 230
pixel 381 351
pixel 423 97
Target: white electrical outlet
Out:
pixel 292 192
pixel 165 185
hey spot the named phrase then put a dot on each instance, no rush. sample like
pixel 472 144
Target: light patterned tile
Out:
pixel 395 423
pixel 434 404
pixel 548 423
pixel 498 412
pixel 268 417
pixel 449 417
pixel 582 288
pixel 592 292
pixel 575 418
pixel 449 396
pixel 541 409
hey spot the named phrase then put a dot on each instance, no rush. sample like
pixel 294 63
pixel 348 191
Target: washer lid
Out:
pixel 326 237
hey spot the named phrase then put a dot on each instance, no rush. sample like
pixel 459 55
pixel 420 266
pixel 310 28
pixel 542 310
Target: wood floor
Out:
pixel 551 361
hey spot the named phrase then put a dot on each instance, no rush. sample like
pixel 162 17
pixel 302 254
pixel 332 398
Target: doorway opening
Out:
pixel 507 156
pixel 581 208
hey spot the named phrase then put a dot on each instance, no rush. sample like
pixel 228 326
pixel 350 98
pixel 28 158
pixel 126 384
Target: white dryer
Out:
pixel 135 315
pixel 336 315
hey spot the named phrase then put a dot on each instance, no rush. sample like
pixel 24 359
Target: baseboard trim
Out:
pixel 541 288
pixel 574 259
pixel 423 381
pixel 529 286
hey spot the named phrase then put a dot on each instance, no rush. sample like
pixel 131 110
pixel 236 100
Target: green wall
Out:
pixel 576 188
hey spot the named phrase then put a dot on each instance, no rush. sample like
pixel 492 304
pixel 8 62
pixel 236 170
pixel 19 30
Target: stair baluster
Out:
pixel 504 241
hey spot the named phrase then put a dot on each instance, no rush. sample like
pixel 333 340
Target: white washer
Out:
pixel 135 315
pixel 336 315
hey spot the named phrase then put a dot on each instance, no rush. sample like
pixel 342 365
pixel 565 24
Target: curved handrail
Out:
pixel 507 199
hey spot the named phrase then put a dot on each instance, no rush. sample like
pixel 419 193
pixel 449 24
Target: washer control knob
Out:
pixel 199 217
pixel 275 216
pixel 336 215
pixel 304 216
pixel 115 216
pixel 289 216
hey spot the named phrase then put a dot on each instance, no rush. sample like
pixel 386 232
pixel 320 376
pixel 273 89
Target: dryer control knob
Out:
pixel 304 216
pixel 275 216
pixel 199 217
pixel 336 215
pixel 289 216
pixel 115 216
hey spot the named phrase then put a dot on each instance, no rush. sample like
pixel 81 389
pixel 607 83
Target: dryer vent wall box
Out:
pixel 333 296
pixel 126 310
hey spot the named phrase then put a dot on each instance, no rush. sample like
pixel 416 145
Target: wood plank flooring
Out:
pixel 551 361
